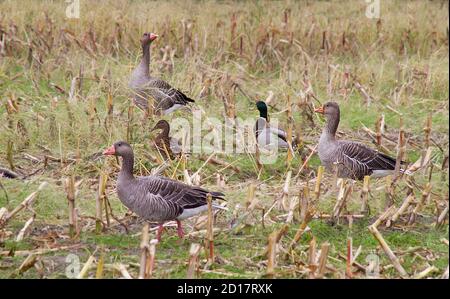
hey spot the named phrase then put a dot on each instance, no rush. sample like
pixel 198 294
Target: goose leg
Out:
pixel 180 229
pixel 159 233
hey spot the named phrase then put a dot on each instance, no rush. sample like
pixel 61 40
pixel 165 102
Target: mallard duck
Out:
pixel 266 135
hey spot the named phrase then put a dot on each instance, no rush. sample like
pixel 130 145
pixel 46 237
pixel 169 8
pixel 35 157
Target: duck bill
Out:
pixel 319 110
pixel 109 151
pixel 153 36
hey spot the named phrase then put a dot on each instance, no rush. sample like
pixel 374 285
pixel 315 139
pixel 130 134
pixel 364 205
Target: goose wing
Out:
pixel 161 90
pixel 178 193
pixel 363 160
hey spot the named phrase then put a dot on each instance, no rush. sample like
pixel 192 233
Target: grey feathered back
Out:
pixel 156 198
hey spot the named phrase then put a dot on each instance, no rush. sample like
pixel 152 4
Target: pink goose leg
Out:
pixel 159 233
pixel 180 229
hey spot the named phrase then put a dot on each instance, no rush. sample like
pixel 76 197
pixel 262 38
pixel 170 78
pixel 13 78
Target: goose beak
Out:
pixel 319 110
pixel 109 151
pixel 153 36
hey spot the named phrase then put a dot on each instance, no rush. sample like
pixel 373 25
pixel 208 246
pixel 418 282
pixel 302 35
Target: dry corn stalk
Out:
pixel 130 123
pixel 427 130
pixel 442 216
pixel 279 234
pixel 252 200
pixel 271 254
pixel 25 228
pixel 312 258
pixel 401 150
pixel 426 272
pixel 70 190
pixel 445 274
pixel 363 92
pixel 423 161
pixel 390 254
pixel 308 216
pixel 389 191
pixel 408 200
pixel 383 217
pixel 3 214
pixel 344 192
pixel 100 266
pixel 290 153
pixel 292 204
pixel 348 268
pixel 285 193
pixel 304 202
pixel 27 202
pixel 426 192
pixel 194 251
pixel 380 129
pixel 365 194
pixel 320 171
pixel 29 262
pixel 323 259
pixel 99 202
pixel 86 267
pixel 150 262
pixel 145 238
pixel 210 231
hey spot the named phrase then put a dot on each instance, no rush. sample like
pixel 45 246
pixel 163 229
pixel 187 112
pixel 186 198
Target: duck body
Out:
pixel 350 159
pixel 167 146
pixel 268 136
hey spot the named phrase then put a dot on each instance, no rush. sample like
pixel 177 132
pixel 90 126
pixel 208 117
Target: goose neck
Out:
pixel 146 57
pixel 127 166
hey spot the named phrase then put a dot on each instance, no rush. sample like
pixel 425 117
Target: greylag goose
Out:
pixel 266 135
pixel 165 144
pixel 167 99
pixel 353 160
pixel 157 198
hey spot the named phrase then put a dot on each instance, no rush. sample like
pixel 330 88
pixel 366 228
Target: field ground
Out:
pixel 64 98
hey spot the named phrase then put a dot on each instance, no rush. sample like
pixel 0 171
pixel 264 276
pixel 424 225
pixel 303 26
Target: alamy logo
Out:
pixel 73 267
pixel 73 9
pixel 373 9
pixel 239 136
pixel 373 266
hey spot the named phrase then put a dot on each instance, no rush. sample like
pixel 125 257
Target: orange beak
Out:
pixel 319 110
pixel 153 36
pixel 109 151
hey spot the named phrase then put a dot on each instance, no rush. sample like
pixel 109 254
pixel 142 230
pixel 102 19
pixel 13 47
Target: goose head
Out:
pixel 329 109
pixel 120 148
pixel 147 38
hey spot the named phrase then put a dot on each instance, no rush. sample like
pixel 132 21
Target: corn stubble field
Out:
pixel 64 98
